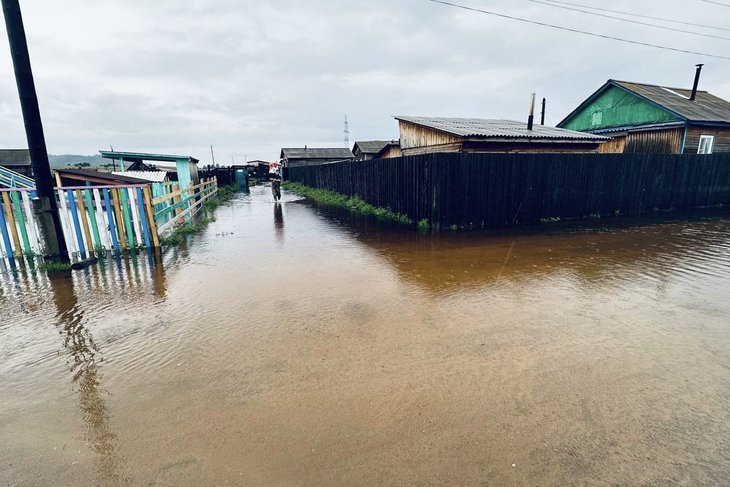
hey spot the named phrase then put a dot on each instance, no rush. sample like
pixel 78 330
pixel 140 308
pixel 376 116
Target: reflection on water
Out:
pixel 329 349
pixel 279 222
pixel 84 363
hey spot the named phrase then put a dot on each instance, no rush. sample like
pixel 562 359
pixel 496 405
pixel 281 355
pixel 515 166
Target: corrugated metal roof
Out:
pixel 153 176
pixel 371 146
pixel 500 129
pixel 706 107
pixel 14 157
pixel 317 153
pixel 90 173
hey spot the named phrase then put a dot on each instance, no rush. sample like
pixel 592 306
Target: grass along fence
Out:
pixel 101 218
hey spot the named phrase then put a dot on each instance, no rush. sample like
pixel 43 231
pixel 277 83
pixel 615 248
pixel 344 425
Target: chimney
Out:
pixel 531 118
pixel 542 114
pixel 697 82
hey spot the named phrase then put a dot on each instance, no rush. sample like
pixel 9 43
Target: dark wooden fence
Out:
pixel 484 190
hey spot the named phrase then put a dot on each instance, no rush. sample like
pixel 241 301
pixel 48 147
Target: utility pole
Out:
pixel 44 204
pixel 212 156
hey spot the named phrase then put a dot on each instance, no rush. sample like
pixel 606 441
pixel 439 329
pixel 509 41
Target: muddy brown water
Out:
pixel 290 345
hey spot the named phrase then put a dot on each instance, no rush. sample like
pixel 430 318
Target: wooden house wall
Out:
pixel 667 141
pixel 722 139
pixel 418 136
pixel 391 152
pixel 614 146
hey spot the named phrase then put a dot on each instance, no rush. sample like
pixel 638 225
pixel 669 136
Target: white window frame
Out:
pixel 706 144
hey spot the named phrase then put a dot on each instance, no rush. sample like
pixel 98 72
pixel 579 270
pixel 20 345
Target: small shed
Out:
pixel 186 166
pixel 648 118
pixel 424 135
pixel 17 160
pixel 292 157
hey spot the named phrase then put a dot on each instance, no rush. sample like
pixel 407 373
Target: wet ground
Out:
pixel 291 345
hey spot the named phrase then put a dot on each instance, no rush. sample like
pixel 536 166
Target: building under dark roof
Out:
pixel 389 150
pixel 80 177
pixel 654 119
pixel 306 156
pixel 368 149
pixel 421 135
pixel 17 160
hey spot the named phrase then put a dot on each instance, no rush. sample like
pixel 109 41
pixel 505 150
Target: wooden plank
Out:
pixel 151 216
pixel 65 215
pixel 110 210
pixel 126 214
pixel 143 218
pixel 84 221
pixel 11 224
pixel 6 237
pixel 22 223
pixel 89 204
pixel 121 224
pixel 73 210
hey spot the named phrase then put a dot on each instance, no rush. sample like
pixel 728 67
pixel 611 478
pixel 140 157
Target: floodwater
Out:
pixel 291 345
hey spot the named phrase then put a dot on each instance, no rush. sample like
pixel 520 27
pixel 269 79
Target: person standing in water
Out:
pixel 275 178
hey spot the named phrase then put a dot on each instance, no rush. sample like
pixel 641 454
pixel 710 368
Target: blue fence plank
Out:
pixel 110 217
pixel 75 217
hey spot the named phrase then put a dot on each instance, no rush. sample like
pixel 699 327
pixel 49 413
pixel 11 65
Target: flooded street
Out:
pixel 292 345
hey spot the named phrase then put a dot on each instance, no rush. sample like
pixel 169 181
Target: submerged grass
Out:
pixel 178 235
pixel 354 203
pixel 52 266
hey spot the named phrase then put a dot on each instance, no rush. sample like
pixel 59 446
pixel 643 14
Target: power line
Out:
pixel 716 3
pixel 632 14
pixel 631 21
pixel 603 36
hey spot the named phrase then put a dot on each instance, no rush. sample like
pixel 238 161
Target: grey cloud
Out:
pixel 250 76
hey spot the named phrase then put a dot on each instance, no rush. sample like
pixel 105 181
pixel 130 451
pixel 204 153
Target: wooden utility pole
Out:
pixel 44 204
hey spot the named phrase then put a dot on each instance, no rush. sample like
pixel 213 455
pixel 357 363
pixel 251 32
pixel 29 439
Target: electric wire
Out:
pixel 633 14
pixel 716 3
pixel 578 31
pixel 663 27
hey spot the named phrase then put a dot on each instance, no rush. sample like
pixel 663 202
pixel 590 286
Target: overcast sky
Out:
pixel 250 77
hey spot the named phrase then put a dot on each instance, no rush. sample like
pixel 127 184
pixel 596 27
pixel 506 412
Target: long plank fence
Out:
pixel 96 218
pixel 482 190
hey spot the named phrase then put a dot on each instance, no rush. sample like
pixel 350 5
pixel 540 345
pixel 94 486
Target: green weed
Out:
pixel 354 203
pixel 52 266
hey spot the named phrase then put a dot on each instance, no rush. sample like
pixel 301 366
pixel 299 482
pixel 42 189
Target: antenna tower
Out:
pixel 347 133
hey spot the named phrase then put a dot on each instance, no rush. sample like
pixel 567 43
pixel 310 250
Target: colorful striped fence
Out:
pixel 96 218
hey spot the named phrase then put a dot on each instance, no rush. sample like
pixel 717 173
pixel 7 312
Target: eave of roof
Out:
pixel 144 156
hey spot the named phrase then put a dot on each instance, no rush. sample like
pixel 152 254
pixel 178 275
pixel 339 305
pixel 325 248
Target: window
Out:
pixel 706 143
pixel 597 118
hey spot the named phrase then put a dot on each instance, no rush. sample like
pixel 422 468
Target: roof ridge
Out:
pixel 657 86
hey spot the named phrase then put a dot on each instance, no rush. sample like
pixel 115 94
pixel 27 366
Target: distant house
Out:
pixel 292 157
pixel 17 160
pixel 654 119
pixel 390 150
pixel 423 135
pixel 368 149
